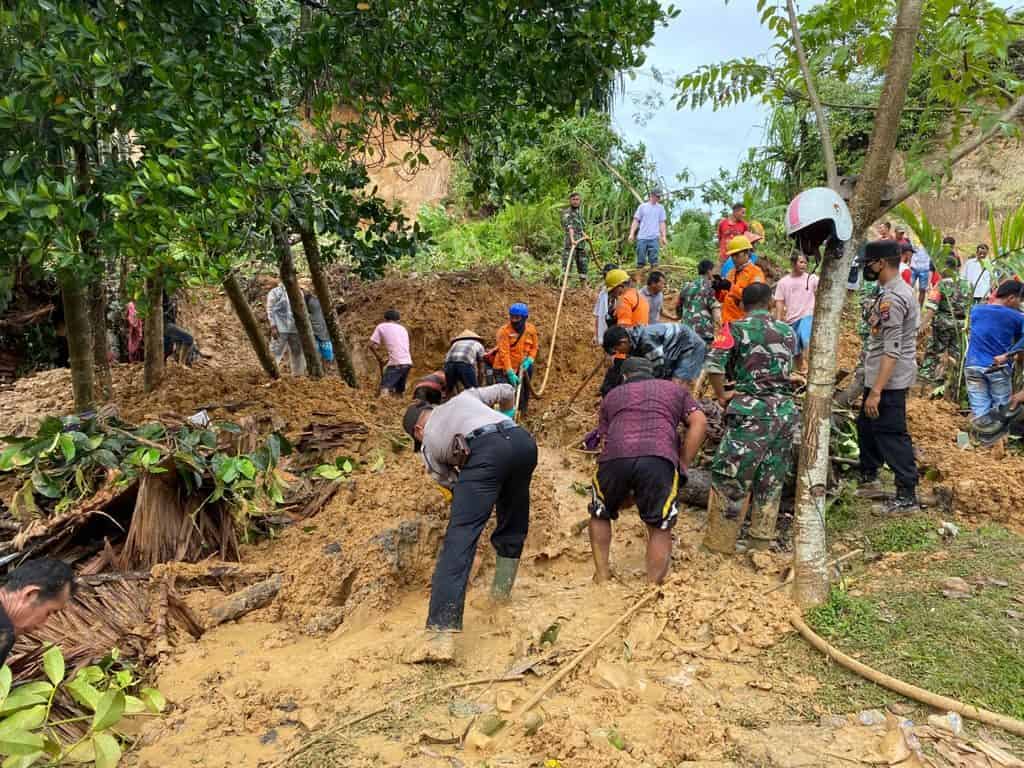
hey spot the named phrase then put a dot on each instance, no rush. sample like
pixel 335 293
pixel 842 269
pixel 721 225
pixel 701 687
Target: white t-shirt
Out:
pixel 601 313
pixel 978 277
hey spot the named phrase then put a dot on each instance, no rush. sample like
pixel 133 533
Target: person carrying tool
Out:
pixel 464 363
pixel 649 230
pixel 742 275
pixel 944 315
pixel 642 461
pixel 761 419
pixel 576 239
pixel 393 336
pixel 697 305
pixel 674 350
pixel 486 461
pixel 627 308
pixel 518 344
pixel 890 369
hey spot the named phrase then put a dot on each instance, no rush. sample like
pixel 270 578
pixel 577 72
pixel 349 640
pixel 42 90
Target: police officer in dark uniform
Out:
pixel 890 369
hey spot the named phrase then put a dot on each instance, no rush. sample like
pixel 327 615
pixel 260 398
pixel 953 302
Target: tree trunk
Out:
pixel 291 284
pixel 342 351
pixel 79 337
pixel 100 345
pixel 811 583
pixel 153 333
pixel 252 328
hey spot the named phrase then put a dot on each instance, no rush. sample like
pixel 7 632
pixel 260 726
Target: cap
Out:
pixel 412 415
pixel 880 250
pixel 657 191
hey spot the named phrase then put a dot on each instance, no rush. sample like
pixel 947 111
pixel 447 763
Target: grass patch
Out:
pixel 913 534
pixel 842 514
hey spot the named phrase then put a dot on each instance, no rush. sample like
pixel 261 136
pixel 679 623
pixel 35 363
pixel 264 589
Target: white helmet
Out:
pixel 819 204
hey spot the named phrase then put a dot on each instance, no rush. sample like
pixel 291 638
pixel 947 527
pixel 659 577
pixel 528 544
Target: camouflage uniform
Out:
pixel 756 452
pixel 572 223
pixel 696 307
pixel 948 304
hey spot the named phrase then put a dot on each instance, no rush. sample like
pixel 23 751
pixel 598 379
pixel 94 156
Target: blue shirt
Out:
pixel 994 331
pixel 650 216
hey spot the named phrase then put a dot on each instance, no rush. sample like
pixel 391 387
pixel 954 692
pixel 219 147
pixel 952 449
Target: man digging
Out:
pixel 486 460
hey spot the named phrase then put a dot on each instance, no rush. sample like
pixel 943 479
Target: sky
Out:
pixel 701 141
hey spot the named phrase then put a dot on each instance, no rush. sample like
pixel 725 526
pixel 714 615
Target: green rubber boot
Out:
pixel 504 577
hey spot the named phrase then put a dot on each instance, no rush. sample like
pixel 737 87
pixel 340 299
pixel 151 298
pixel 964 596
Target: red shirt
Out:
pixel 727 230
pixel 640 418
pixel 906 274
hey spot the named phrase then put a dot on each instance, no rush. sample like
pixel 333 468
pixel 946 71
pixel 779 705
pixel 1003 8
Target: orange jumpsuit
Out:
pixel 732 306
pixel 631 309
pixel 513 348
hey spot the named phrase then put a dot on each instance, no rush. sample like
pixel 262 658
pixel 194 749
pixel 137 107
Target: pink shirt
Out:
pixel 395 339
pixel 798 293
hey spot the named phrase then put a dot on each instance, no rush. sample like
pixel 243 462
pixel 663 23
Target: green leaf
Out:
pixel 67 446
pixel 20 743
pixel 108 711
pixel 108 751
pixel 11 165
pixel 27 695
pixel 328 472
pixel 83 692
pixel 53 665
pixel 22 761
pixel 5 682
pixel 134 705
pixel 25 720
pixel 154 700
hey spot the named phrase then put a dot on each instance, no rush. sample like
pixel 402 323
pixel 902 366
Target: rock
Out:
pixel 326 622
pixel 504 701
pixel 334 548
pixel 269 737
pixel 899 708
pixel 489 725
pixel 459 707
pixel 871 717
pixel 532 723
pixel 956 588
pixel 763 561
pixel 288 705
pixel 832 721
pixel 727 644
pixel 309 719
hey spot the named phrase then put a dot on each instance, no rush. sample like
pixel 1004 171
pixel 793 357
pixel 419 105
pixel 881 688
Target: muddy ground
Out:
pixel 689 681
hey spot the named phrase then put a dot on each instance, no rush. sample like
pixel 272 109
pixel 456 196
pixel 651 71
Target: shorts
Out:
pixel 652 481
pixel 326 350
pixel 802 331
pixel 394 378
pixel 689 366
pixel 919 278
pixel 647 251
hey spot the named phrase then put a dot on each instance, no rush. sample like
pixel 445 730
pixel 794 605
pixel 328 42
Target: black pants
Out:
pixel 885 440
pixel 463 374
pixel 496 476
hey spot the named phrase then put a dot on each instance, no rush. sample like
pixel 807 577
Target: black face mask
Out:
pixel 870 273
pixel 519 324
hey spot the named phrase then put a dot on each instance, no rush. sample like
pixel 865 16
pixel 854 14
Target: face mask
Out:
pixel 519 324
pixel 870 273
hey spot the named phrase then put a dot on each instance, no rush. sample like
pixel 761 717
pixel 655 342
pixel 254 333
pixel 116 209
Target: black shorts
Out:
pixel 395 377
pixel 652 481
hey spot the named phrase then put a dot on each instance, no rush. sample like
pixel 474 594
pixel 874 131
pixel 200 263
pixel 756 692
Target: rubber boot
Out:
pixel 725 518
pixel 505 569
pixel 762 523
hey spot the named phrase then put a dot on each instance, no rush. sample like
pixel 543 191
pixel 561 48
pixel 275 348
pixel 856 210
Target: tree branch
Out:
pixel 795 95
pixel 828 149
pixel 1014 112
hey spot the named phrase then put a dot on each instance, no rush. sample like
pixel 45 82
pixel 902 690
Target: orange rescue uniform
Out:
pixel 513 347
pixel 631 309
pixel 732 306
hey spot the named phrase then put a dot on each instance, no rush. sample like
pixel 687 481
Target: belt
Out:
pixel 490 429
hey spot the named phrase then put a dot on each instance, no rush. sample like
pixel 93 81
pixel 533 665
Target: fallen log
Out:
pixel 246 600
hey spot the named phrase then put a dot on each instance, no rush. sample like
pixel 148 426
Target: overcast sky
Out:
pixel 699 140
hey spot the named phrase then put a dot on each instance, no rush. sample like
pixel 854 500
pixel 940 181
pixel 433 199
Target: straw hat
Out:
pixel 466 335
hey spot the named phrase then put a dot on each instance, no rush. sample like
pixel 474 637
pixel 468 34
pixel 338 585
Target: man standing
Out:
pixel 518 344
pixel 642 460
pixel 673 349
pixel 601 307
pixel 741 276
pixel 730 227
pixel 920 273
pixel 654 292
pixel 649 230
pixel 576 240
pixel 996 328
pixel 890 367
pixel 486 460
pixel 395 339
pixel 901 236
pixel 319 325
pixel 33 592
pixel 284 336
pixel 794 304
pixel 944 313
pixel 976 275
pixel 698 307
pixel 756 452
pixel 464 363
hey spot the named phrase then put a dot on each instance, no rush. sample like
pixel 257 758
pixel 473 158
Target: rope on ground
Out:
pixel 397 702
pixel 906 689
pixel 554 330
pixel 575 661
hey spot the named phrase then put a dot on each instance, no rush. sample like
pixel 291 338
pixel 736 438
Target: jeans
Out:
pixel 496 476
pixel 690 364
pixel 986 391
pixel 463 374
pixel 647 252
pixel 802 331
pixel 885 440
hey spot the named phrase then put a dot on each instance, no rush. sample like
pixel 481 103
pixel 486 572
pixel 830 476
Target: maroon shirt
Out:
pixel 640 419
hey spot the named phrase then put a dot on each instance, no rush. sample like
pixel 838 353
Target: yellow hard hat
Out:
pixel 617 277
pixel 738 244
pixel 757 228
